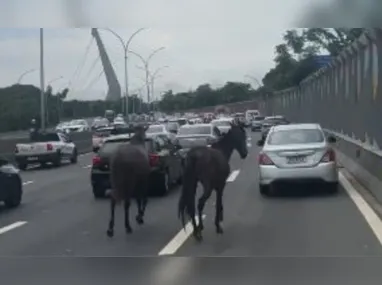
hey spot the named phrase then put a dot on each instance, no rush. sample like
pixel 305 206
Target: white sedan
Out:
pixel 297 153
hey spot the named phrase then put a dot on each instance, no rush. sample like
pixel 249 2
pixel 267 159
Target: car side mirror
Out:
pixel 332 139
pixel 260 143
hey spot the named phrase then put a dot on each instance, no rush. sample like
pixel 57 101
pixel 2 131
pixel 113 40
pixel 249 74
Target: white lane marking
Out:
pixel 84 154
pixel 249 145
pixel 233 175
pixel 367 212
pixel 12 227
pixel 179 239
pixel 87 166
pixel 27 182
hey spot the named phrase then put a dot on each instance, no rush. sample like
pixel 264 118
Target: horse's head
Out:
pixel 140 132
pixel 237 136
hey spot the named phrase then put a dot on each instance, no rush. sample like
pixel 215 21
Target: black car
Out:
pixel 11 186
pixel 165 160
pixel 269 122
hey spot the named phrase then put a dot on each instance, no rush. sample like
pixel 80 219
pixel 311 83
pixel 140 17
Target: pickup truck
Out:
pixel 46 148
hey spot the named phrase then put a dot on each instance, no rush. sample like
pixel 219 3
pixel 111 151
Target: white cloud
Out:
pixel 206 41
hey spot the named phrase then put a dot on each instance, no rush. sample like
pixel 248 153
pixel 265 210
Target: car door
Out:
pixel 168 151
pixel 67 146
pixel 174 158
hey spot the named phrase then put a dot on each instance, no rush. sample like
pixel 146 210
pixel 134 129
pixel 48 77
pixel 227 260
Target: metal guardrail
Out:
pixel 346 99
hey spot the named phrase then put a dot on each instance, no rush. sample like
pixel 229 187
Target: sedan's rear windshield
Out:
pixel 155 129
pixel 197 130
pixel 258 118
pixel 301 136
pixel 110 146
pixel 274 121
pixel 221 123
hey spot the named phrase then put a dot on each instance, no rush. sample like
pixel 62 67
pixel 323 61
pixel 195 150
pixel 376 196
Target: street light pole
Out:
pixel 42 83
pixel 153 77
pixel 125 46
pixel 25 73
pixel 146 68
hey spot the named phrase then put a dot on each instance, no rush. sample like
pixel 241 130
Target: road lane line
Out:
pixel 10 227
pixel 27 182
pixel 233 175
pixel 179 239
pixel 367 212
pixel 87 166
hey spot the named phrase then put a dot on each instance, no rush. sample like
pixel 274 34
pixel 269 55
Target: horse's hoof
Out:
pixel 129 230
pixel 219 230
pixel 139 220
pixel 110 233
pixel 198 236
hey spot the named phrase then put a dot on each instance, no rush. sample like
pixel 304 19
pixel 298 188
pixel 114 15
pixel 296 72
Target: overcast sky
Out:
pixel 209 41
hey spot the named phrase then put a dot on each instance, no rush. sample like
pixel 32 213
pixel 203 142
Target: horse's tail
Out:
pixel 187 197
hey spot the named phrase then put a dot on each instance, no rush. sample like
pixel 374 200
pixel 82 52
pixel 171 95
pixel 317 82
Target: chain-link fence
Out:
pixel 343 97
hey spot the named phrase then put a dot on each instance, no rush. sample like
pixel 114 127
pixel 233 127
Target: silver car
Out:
pixel 160 129
pixel 297 153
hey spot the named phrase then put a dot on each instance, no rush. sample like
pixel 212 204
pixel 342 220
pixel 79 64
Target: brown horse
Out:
pixel 209 166
pixel 129 174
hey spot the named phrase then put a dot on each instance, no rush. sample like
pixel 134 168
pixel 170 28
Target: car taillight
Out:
pixel 329 156
pixel 49 146
pixel 96 160
pixel 154 159
pixel 264 159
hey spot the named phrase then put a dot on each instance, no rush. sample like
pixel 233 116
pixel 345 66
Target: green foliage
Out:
pixel 294 57
pixel 205 95
pixel 20 103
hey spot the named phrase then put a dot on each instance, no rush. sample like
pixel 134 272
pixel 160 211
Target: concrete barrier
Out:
pixel 83 142
pixel 362 161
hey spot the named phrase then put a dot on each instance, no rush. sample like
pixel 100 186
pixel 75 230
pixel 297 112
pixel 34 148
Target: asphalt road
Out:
pixel 304 239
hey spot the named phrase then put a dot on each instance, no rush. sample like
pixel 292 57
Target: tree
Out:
pixel 295 57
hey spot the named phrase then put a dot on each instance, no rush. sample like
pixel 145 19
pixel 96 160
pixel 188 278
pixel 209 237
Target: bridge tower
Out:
pixel 114 92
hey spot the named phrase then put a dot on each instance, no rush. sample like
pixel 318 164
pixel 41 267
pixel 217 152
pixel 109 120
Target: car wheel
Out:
pixel 332 188
pixel 57 161
pixel 74 157
pixel 14 199
pixel 265 190
pixel 22 166
pixel 99 192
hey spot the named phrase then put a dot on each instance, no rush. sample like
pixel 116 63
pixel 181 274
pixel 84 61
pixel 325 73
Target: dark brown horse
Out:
pixel 209 166
pixel 129 174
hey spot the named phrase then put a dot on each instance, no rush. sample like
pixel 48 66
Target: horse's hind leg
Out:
pixel 219 210
pixel 110 230
pixel 127 218
pixel 141 201
pixel 201 204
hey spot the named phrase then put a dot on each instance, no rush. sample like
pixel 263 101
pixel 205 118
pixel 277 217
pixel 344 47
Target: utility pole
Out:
pixel 42 83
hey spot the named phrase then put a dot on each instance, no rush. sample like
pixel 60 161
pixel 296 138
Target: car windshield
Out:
pixel 110 146
pixel 172 126
pixel 221 123
pixel 155 129
pixel 274 121
pixel 48 137
pixel 196 130
pixel 297 136
pixel 103 132
pixel 258 118
pixel 77 122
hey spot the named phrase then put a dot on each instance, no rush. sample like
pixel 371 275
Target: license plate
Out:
pixel 32 158
pixel 296 159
